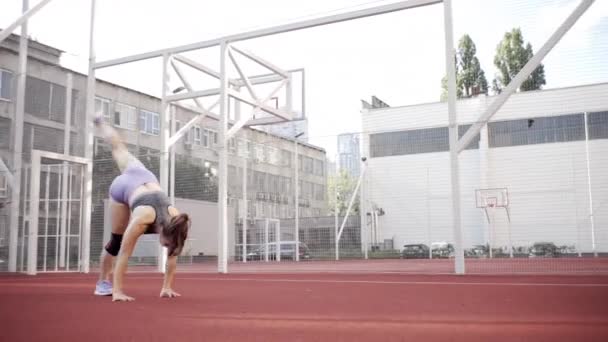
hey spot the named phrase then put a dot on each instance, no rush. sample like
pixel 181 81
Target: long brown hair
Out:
pixel 176 233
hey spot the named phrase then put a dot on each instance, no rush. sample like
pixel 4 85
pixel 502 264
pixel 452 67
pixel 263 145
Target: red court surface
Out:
pixel 558 266
pixel 308 307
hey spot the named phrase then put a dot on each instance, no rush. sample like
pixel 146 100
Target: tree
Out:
pixel 470 77
pixel 345 184
pixel 510 58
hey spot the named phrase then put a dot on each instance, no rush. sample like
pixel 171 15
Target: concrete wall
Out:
pixel 202 238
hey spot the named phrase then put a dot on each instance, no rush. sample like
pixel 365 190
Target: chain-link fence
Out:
pixel 533 182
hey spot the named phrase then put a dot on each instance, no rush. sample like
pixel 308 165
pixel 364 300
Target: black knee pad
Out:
pixel 113 246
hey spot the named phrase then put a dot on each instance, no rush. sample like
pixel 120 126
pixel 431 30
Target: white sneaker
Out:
pixel 103 288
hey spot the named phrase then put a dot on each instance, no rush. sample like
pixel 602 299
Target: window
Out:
pixel 149 122
pixel 205 138
pixel 3 186
pixel 415 141
pixel 242 148
pixel 308 165
pixel 250 149
pixel 259 152
pixel 232 145
pixel 102 109
pixel 474 144
pixel 319 194
pixel 536 130
pixel 213 137
pixel 260 181
pixel 47 100
pixel 286 158
pixel 273 155
pixel 197 134
pixel 6 82
pixel 598 125
pixel 318 167
pixel 125 116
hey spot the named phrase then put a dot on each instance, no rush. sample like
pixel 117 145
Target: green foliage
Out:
pixel 510 58
pixel 345 184
pixel 470 77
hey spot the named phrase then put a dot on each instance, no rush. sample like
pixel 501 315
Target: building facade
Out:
pixel 546 151
pixel 349 155
pixel 288 129
pixel 268 158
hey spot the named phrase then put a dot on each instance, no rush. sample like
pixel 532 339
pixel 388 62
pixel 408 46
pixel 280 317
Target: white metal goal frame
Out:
pixel 456 145
pixel 63 206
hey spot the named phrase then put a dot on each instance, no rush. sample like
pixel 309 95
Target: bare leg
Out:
pixel 119 149
pixel 120 219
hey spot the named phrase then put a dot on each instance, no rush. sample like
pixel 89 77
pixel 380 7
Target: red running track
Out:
pixel 308 307
pixel 504 266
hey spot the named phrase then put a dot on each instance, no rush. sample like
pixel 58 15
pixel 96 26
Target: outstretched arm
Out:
pixel 136 228
pixel 167 290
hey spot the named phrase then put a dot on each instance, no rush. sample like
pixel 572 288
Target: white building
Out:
pixel 535 147
pixel 288 129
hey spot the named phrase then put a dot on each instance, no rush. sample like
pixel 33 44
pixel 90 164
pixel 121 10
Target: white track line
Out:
pixel 388 282
pixel 334 281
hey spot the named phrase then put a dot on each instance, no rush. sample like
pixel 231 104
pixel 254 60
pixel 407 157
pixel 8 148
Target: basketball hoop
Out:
pixel 492 199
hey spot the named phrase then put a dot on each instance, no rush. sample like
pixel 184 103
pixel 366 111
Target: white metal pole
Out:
pixel 25 214
pixel 428 212
pixel 510 238
pixel 266 222
pixel 453 131
pixel 363 208
pixel 297 198
pixel 308 23
pixel 17 144
pixel 88 152
pixel 373 229
pixel 172 155
pixel 523 74
pixel 165 130
pixel 591 214
pixel 22 20
pixel 289 95
pixel 64 174
pixel 352 199
pixel 32 246
pixel 376 241
pixel 68 114
pixel 277 239
pixel 223 165
pixel 245 209
pixel 337 241
pixel 46 216
pixel 59 217
pixel 69 226
pixel 492 230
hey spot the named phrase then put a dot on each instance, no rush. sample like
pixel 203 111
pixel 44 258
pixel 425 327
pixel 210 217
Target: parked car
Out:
pixel 442 250
pixel 544 249
pixel 415 251
pixel 287 251
pixel 477 251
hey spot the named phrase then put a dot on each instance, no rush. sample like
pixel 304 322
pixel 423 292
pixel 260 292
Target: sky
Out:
pixel 398 57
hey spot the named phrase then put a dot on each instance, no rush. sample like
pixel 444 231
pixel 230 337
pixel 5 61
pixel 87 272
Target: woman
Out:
pixel 138 206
